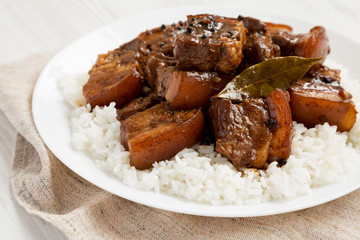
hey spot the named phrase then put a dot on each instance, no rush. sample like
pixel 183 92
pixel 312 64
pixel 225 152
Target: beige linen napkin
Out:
pixel 47 188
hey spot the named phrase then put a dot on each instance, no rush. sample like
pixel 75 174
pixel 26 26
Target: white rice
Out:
pixel 319 156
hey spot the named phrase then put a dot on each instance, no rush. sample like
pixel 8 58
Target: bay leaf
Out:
pixel 261 79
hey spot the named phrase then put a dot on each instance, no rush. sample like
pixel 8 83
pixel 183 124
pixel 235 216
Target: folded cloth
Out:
pixel 47 188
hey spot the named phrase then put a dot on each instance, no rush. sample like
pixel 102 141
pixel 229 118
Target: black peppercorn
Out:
pixel 163 27
pixel 193 19
pixel 231 33
pixel 326 79
pixel 240 17
pixel 211 19
pixel 282 162
pixel 271 123
pixel 161 44
pixel 201 22
pixel 172 112
pixel 203 36
pixel 188 30
pixel 191 25
pixel 181 23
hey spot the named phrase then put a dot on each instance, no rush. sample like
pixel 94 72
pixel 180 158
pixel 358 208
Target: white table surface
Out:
pixel 32 26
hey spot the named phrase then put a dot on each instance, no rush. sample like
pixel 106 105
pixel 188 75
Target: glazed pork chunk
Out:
pixel 241 131
pixel 319 98
pixel 259 48
pixel 137 105
pixel 210 43
pixel 160 39
pixel 259 45
pixel 156 60
pixel 280 124
pixel 118 76
pixel 310 45
pixel 159 133
pixel 254 132
pixel 190 89
pixel 265 40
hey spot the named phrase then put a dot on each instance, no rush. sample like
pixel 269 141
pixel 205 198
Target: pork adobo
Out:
pixel 166 85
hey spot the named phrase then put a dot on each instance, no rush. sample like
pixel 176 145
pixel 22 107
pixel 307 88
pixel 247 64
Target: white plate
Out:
pixel 51 113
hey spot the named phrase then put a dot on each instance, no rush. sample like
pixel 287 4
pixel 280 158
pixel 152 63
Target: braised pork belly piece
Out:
pixel 157 60
pixel 280 124
pixel 259 45
pixel 253 25
pixel 160 39
pixel 253 132
pixel 265 40
pixel 193 89
pixel 319 98
pixel 323 74
pixel 258 48
pixel 210 43
pixel 138 105
pixel 160 132
pixel 310 45
pixel 116 77
pixel 241 131
pixel 163 76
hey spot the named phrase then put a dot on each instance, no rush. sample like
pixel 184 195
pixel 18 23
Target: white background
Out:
pixel 32 26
